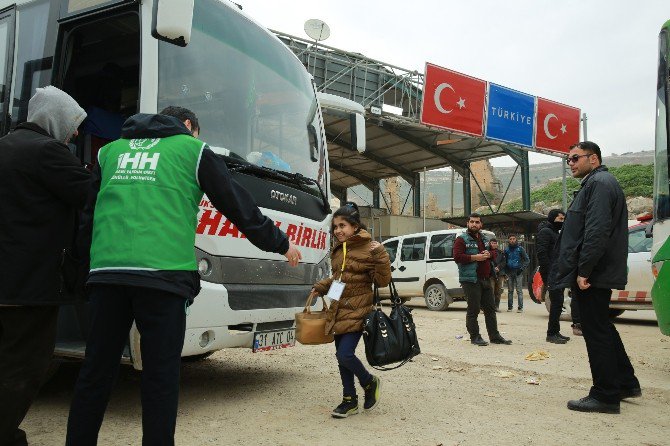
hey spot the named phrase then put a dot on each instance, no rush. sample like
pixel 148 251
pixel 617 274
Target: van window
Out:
pixel 413 249
pixel 392 249
pixel 442 246
pixel 638 241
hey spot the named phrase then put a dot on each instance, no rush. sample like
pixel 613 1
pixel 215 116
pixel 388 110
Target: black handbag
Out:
pixel 390 338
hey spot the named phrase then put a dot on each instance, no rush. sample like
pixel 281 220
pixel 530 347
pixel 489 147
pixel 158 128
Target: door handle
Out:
pixel 402 268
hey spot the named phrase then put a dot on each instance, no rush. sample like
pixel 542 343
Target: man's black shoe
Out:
pixel 478 340
pixel 635 392
pixel 556 339
pixel 567 338
pixel 348 406
pixel 500 340
pixel 590 404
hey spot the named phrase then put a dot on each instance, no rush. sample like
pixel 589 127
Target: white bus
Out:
pixel 257 107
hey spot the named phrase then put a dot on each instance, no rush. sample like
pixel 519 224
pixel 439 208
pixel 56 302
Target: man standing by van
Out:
pixel 516 262
pixel 42 185
pixel 474 273
pixel 145 193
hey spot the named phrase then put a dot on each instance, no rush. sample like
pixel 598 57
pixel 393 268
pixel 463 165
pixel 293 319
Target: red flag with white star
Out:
pixel 556 126
pixel 453 101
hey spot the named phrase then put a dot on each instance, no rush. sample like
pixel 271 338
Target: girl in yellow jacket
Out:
pixel 357 263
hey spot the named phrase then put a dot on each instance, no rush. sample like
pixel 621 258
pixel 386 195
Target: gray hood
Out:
pixel 56 112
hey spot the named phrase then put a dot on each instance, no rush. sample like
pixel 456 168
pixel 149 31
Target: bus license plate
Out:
pixel 273 340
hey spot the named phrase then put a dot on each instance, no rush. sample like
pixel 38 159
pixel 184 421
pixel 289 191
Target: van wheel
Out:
pixel 436 297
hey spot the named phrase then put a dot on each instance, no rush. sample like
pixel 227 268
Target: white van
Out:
pixel 423 265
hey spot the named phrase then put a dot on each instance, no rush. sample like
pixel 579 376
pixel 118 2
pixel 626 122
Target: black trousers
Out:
pixel 27 338
pixel 480 297
pixel 556 299
pixel 161 321
pixel 611 369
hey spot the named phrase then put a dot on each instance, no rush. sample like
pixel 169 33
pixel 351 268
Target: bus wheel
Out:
pixel 196 358
pixel 614 312
pixel 436 297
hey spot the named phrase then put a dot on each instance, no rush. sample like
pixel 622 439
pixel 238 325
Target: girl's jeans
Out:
pixel 349 364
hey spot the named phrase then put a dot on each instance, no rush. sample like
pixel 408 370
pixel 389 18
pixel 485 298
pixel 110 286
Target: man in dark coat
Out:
pixel 547 236
pixel 41 187
pixel 592 259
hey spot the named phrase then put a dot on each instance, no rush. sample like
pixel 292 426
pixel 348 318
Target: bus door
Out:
pixel 98 64
pixel 6 62
pixel 411 270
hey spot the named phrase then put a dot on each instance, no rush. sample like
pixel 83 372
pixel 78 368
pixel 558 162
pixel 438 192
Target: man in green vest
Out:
pixel 474 273
pixel 140 225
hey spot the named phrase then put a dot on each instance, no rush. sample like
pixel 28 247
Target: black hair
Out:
pixel 475 215
pixel 182 114
pixel 509 236
pixel 553 214
pixel 589 146
pixel 493 240
pixel 349 212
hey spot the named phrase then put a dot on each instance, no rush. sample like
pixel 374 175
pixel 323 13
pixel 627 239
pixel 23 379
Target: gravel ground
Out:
pixel 452 394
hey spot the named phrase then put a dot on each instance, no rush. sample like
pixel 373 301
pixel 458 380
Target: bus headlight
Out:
pixel 204 267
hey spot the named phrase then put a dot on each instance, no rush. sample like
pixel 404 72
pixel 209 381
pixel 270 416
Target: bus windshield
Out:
pixel 253 98
pixel 661 186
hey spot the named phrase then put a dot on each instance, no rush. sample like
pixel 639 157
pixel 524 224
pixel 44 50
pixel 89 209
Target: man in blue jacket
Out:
pixel 592 259
pixel 516 261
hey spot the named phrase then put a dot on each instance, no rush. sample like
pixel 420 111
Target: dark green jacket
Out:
pixel 467 272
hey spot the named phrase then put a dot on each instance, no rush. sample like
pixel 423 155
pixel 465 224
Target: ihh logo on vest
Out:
pixel 137 166
pixel 510 116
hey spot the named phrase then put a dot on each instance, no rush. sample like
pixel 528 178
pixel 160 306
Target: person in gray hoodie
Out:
pixel 42 185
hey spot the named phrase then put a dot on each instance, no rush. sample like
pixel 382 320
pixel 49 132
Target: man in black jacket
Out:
pixel 546 241
pixel 42 185
pixel 592 259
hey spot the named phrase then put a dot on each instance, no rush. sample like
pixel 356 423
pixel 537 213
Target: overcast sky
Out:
pixel 599 56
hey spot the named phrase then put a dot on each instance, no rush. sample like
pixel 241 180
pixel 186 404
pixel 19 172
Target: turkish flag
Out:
pixel 453 101
pixel 556 126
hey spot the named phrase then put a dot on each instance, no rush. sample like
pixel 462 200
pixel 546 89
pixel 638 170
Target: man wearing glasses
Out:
pixel 593 251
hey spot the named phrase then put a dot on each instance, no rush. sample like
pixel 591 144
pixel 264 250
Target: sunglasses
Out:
pixel 574 158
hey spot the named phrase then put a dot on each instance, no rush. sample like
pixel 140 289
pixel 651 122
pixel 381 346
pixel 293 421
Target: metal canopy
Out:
pixel 397 148
pixel 396 144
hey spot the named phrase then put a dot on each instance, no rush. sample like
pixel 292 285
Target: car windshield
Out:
pixel 253 98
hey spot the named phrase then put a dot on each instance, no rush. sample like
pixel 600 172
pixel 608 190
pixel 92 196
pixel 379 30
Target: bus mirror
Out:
pixel 172 21
pixel 357 123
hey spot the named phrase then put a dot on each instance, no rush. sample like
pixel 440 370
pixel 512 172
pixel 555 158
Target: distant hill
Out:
pixel 541 174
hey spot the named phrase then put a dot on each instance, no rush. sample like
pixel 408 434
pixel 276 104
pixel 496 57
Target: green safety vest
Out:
pixel 468 272
pixel 147 207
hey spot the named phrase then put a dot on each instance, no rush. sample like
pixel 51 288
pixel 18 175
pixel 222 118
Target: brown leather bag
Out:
pixel 310 326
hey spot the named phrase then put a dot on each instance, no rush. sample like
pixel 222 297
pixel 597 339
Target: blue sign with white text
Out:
pixel 510 116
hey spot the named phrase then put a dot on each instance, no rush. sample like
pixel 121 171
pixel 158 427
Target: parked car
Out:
pixel 423 265
pixel 637 295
